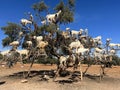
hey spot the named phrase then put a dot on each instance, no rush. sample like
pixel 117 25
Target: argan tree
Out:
pixel 41 9
pixel 11 31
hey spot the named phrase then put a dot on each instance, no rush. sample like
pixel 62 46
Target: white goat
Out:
pixel 63 60
pixel 118 45
pixel 44 22
pixel 14 43
pixel 76 33
pixel 65 34
pixel 98 56
pixel 97 40
pixel 76 44
pixel 38 38
pixel 31 17
pixel 53 18
pixel 23 52
pixel 112 52
pixel 82 51
pixel 29 43
pixel 67 29
pixel 111 45
pixel 108 39
pixel 20 34
pixel 42 44
pixel 5 52
pixel 24 22
pixel 98 50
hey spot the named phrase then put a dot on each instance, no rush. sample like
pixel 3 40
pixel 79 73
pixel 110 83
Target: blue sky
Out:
pixel 100 17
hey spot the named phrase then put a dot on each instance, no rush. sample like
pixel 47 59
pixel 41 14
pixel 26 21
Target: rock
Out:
pixel 24 81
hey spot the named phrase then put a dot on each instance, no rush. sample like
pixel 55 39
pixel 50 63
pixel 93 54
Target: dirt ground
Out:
pixel 10 79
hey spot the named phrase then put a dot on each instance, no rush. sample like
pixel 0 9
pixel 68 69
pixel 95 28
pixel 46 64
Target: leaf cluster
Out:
pixel 11 31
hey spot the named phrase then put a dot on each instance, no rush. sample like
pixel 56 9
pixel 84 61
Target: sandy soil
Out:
pixel 10 79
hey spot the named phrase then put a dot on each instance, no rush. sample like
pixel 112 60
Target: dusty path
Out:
pixel 110 82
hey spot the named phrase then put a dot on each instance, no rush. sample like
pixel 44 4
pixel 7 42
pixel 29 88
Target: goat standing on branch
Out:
pixel 14 43
pixel 28 22
pixel 76 44
pixel 75 33
pixel 24 22
pixel 53 18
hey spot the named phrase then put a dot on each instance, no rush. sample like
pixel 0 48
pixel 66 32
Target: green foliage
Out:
pixel 51 28
pixel 71 3
pixel 41 6
pixel 47 61
pixel 38 31
pixel 6 41
pixel 66 8
pixel 1 56
pixel 60 6
pixel 12 31
pixel 26 38
pixel 67 11
pixel 116 60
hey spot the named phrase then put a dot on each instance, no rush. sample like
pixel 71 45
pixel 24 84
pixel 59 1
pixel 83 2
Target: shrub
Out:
pixel 47 61
pixel 116 60
pixel 1 56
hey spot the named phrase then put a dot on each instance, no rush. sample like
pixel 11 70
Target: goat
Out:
pixel 24 22
pixel 112 52
pixel 98 56
pixel 98 50
pixel 38 38
pixel 76 33
pixel 67 29
pixel 62 61
pixel 14 43
pixel 111 45
pixel 97 40
pixel 53 18
pixel 42 44
pixel 76 44
pixel 108 39
pixel 23 52
pixel 44 22
pixel 65 34
pixel 20 34
pixel 4 52
pixel 29 43
pixel 118 45
pixel 82 51
pixel 66 61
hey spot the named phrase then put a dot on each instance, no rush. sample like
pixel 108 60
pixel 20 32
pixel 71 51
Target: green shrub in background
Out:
pixel 47 60
pixel 116 60
pixel 1 56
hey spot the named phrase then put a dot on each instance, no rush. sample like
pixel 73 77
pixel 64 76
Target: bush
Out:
pixel 116 60
pixel 47 61
pixel 1 56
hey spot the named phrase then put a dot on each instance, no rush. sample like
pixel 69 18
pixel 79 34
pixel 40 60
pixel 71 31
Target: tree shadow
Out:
pixel 96 78
pixel 2 82
pixel 33 73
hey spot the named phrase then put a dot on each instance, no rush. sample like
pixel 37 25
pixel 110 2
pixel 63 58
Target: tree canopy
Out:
pixel 41 10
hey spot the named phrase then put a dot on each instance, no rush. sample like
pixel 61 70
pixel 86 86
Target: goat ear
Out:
pixel 55 15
